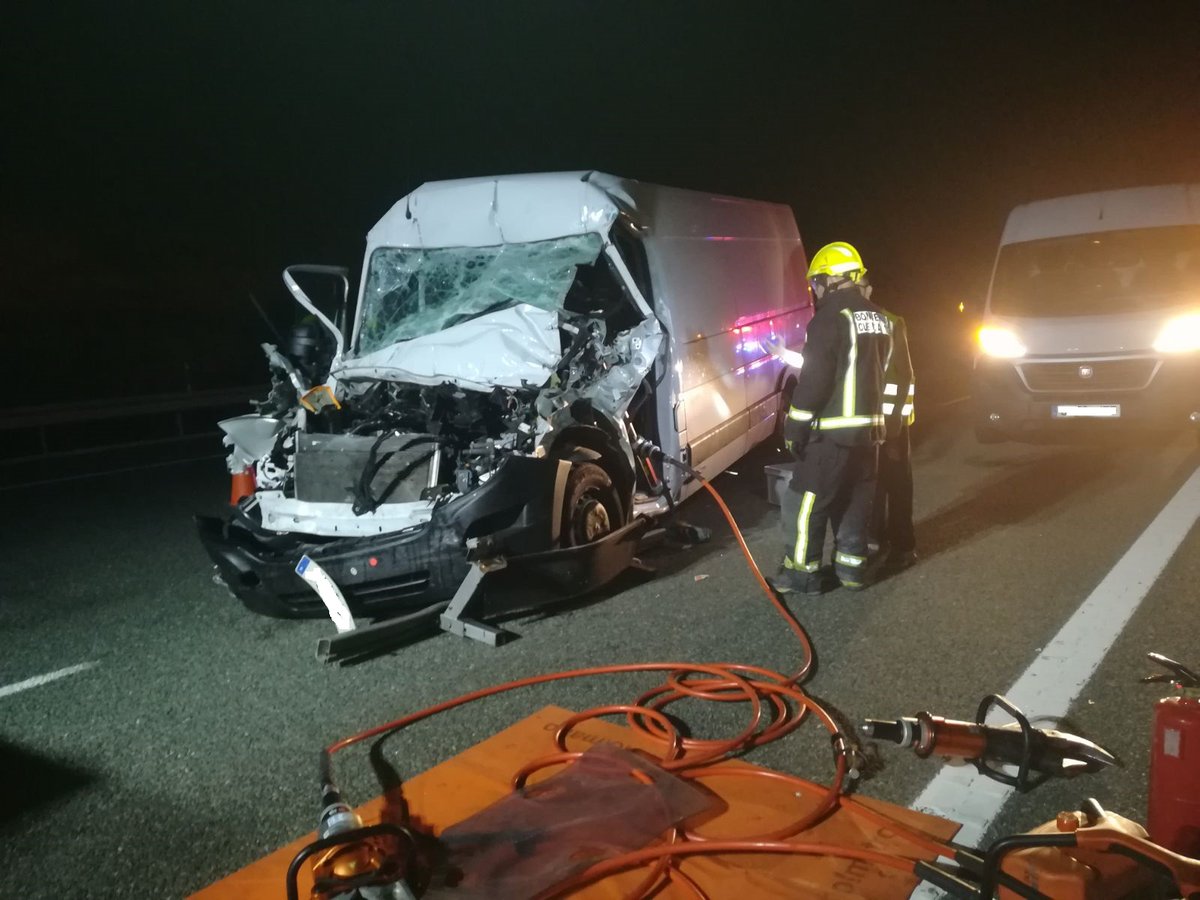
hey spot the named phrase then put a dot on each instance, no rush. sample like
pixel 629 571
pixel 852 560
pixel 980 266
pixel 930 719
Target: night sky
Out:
pixel 163 160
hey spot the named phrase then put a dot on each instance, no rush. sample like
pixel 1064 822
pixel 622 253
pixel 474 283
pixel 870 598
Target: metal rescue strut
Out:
pixel 453 620
pixel 498 586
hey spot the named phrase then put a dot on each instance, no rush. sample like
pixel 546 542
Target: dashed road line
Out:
pixel 39 680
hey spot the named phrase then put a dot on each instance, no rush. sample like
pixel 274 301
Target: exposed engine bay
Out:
pixel 399 442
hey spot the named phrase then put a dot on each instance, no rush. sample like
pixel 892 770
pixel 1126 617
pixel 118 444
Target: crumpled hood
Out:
pixel 508 348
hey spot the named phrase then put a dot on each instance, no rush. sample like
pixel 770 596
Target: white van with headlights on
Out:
pixel 513 346
pixel 1093 315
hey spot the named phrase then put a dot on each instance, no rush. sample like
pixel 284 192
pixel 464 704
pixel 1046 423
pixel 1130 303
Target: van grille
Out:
pixel 1105 375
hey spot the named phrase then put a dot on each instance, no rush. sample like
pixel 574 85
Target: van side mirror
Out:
pixel 338 323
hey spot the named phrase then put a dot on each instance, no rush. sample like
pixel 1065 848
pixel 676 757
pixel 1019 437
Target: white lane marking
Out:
pixel 39 680
pixel 1059 674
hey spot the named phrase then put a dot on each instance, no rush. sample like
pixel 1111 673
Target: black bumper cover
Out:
pixel 390 573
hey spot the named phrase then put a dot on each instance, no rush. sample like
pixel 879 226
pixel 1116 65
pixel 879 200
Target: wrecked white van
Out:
pixel 512 340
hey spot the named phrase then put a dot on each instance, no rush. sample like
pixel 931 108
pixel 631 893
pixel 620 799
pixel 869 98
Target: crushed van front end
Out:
pixel 382 574
pixel 486 392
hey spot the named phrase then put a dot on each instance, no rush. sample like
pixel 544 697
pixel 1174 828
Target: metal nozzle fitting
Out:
pixel 904 731
pixel 337 818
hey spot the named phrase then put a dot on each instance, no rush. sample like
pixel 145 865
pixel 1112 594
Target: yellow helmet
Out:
pixel 838 259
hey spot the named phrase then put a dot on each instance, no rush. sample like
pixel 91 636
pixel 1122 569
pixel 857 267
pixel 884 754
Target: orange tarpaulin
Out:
pixel 474 779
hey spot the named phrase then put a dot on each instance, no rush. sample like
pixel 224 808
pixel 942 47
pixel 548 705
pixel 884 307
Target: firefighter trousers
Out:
pixel 832 486
pixel 892 517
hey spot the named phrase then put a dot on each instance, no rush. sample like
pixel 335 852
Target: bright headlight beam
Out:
pixel 1000 342
pixel 1179 335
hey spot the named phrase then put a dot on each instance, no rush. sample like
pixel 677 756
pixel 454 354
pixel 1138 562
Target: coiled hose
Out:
pixel 778 706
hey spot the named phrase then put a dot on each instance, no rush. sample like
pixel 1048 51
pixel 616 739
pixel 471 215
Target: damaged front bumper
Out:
pixel 387 574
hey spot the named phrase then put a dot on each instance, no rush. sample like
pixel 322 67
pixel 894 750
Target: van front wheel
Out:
pixel 591 507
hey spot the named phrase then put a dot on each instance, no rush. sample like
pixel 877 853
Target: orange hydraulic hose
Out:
pixel 801 635
pixel 412 718
pixel 690 758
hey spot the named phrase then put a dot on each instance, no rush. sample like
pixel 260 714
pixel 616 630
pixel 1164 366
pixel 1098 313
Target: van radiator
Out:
pixel 328 467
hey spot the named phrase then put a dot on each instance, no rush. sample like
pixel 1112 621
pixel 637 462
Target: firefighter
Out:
pixel 834 427
pixel 892 516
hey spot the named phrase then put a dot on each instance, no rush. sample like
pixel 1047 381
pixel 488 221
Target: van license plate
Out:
pixel 1087 411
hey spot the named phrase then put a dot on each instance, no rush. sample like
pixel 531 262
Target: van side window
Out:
pixel 599 292
pixel 596 292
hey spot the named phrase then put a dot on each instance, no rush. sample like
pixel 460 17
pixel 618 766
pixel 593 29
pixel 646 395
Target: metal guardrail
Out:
pixel 41 419
pixel 22 417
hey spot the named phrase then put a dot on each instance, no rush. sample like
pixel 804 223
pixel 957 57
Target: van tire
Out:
pixel 591 507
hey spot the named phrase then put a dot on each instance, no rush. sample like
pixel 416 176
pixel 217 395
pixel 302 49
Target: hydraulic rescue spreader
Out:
pixel 1037 753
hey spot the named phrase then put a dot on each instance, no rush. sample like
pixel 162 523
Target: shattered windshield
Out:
pixel 1092 274
pixel 412 292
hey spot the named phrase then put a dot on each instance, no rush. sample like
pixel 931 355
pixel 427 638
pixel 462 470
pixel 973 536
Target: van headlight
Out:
pixel 1000 342
pixel 1179 335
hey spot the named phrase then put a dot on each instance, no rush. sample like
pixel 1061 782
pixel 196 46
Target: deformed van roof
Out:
pixel 482 212
pixel 1142 207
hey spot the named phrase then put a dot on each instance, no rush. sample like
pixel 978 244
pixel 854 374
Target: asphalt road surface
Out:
pixel 179 740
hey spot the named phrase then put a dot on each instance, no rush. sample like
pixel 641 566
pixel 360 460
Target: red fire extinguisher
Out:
pixel 1173 805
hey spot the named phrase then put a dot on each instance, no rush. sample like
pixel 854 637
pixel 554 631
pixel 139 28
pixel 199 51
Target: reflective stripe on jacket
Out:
pixel 840 389
pixel 899 388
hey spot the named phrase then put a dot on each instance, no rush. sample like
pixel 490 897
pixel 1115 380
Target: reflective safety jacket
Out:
pixel 840 389
pixel 899 385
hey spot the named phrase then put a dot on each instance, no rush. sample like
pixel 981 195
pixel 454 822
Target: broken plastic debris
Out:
pixel 699 577
pixel 319 580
